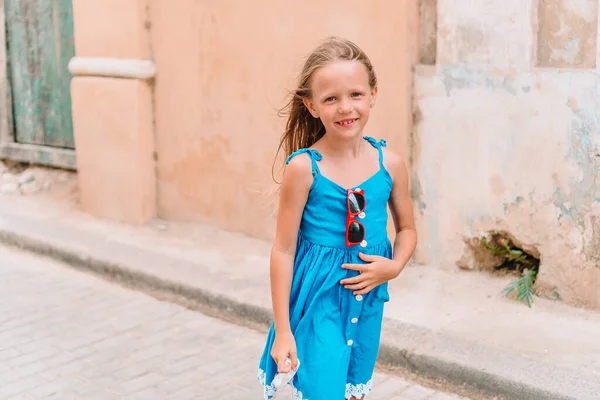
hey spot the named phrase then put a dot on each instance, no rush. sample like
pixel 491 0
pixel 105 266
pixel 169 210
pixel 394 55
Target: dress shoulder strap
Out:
pixel 314 157
pixel 378 145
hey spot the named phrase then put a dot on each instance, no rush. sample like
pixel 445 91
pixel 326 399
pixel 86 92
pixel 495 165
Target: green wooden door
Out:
pixel 39 35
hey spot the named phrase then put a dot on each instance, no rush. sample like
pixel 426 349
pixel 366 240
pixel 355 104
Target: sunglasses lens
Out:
pixel 356 202
pixel 356 232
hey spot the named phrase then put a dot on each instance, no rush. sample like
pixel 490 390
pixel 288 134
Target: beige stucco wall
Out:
pixel 112 116
pixel 223 71
pixel 112 28
pixel 113 125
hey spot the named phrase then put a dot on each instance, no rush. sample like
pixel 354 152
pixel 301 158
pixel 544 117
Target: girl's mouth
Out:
pixel 347 122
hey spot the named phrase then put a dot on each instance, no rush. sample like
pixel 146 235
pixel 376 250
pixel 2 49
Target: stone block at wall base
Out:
pixel 114 138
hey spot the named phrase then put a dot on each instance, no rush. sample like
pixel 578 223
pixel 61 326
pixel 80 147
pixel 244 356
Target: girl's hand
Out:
pixel 378 270
pixel 284 346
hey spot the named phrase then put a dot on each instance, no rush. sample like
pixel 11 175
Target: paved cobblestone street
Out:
pixel 67 335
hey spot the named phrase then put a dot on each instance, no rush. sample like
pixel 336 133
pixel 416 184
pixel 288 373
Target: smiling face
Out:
pixel 342 98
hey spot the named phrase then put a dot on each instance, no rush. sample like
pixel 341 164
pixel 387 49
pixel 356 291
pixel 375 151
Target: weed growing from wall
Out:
pixel 515 259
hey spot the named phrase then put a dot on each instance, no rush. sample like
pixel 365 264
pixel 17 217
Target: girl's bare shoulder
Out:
pixel 392 160
pixel 299 169
pixel 395 165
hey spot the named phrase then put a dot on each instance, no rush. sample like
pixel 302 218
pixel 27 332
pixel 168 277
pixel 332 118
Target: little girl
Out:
pixel 331 258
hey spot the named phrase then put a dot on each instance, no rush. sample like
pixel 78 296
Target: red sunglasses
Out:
pixel 355 231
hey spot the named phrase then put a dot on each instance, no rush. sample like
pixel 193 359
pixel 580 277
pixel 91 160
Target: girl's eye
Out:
pixel 356 94
pixel 329 99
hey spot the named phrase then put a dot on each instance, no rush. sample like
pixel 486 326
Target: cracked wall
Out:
pixel 501 144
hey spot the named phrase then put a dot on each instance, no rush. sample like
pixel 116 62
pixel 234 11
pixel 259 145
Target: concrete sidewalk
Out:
pixel 456 325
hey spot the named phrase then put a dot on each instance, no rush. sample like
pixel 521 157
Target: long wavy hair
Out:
pixel 302 129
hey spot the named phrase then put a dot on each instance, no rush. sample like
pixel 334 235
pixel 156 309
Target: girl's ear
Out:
pixel 310 107
pixel 374 96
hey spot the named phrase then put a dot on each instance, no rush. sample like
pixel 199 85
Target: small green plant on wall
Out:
pixel 517 260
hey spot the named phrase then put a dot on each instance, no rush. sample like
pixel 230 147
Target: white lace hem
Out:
pixel 269 390
pixel 359 390
pixel 296 394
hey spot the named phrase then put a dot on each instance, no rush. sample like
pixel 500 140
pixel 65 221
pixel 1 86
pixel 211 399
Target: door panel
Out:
pixel 40 43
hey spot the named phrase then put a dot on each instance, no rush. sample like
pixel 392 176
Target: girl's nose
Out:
pixel 344 107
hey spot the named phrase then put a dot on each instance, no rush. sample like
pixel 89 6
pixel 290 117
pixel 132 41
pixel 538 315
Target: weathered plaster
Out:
pixel 428 31
pixel 517 153
pixel 567 35
pixel 487 32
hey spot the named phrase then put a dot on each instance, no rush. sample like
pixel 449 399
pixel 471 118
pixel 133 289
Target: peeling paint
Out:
pixel 498 33
pixel 522 145
pixel 417 192
pixel 428 31
pixel 560 200
pixel 460 77
pixel 526 162
pixel 567 34
pixel 568 53
pixel 586 141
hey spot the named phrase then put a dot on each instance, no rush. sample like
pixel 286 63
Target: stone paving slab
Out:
pixel 67 335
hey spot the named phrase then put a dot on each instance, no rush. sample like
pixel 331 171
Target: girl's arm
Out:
pixel 294 189
pixel 402 211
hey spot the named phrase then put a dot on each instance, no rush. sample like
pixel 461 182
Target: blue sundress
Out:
pixel 337 333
